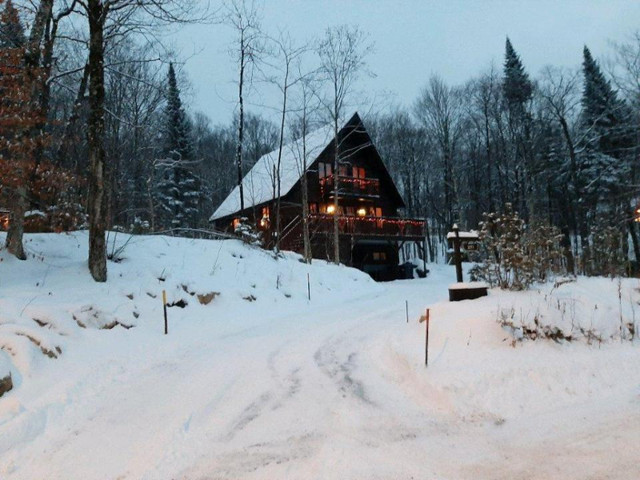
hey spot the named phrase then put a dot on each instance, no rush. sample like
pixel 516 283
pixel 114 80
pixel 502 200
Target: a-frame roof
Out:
pixel 259 183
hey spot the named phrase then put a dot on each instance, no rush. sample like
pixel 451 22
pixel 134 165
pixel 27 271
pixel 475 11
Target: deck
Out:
pixel 401 228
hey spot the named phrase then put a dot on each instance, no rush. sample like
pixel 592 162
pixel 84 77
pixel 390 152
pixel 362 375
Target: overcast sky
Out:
pixel 413 39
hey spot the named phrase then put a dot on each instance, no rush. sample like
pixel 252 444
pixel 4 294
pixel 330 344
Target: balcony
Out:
pixel 350 186
pixel 368 226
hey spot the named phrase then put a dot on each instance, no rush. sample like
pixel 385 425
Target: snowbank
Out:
pixel 49 302
pixel 593 310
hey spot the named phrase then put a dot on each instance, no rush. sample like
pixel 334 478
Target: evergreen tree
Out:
pixel 516 85
pixel 608 159
pixel 606 117
pixel 518 91
pixel 11 29
pixel 178 193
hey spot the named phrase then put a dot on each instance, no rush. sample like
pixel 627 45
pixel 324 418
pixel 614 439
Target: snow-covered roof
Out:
pixel 259 182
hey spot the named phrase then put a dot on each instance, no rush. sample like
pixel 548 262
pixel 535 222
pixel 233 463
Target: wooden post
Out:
pixel 406 309
pixel 457 258
pixel 426 343
pixel 308 287
pixel 164 306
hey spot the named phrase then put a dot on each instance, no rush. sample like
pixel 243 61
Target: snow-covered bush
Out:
pixel 515 256
pixel 139 226
pixel 248 232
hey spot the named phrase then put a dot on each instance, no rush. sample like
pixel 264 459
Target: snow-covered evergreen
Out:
pixel 178 189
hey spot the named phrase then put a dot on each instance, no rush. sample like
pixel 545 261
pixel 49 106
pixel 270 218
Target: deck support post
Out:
pixel 424 256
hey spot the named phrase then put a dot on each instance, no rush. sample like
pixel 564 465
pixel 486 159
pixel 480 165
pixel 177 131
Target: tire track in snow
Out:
pixel 340 371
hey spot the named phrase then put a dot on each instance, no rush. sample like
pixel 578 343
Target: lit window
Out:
pixel 331 208
pixel 362 212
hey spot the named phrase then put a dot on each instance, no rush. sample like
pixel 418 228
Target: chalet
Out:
pixel 371 230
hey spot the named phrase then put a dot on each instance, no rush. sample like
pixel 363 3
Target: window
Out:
pixel 378 212
pixel 380 256
pixel 358 172
pixel 264 221
pixel 313 208
pixel 324 170
pixel 344 171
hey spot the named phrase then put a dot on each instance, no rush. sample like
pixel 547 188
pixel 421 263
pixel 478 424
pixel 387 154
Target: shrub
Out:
pixel 516 255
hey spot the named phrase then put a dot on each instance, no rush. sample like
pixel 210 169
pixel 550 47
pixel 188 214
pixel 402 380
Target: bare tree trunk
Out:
pixel 69 127
pixel 150 183
pixel 16 222
pixel 96 203
pixel 487 140
pixel 280 146
pixel 31 63
pixel 336 189
pixel 240 128
pixel 306 237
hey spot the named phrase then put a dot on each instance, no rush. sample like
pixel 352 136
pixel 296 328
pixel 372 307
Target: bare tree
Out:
pixel 286 55
pixel 128 15
pixel 243 16
pixel 342 53
pixel 96 14
pixel 439 110
pixel 559 91
pixel 306 106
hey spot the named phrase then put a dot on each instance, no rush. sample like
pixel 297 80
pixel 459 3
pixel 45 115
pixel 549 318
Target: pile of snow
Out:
pixel 593 310
pixel 49 302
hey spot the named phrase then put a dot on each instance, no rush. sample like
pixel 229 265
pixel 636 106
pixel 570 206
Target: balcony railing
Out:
pixel 368 226
pixel 350 186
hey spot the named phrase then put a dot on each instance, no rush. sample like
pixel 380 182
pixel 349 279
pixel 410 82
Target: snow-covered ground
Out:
pixel 263 383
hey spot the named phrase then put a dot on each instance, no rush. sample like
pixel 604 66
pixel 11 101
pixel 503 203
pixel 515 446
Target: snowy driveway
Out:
pixel 335 393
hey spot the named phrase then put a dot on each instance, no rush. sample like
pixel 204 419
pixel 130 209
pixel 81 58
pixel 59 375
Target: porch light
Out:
pixel 331 208
pixel 362 212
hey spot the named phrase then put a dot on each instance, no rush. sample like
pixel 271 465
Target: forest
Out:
pixel 95 132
